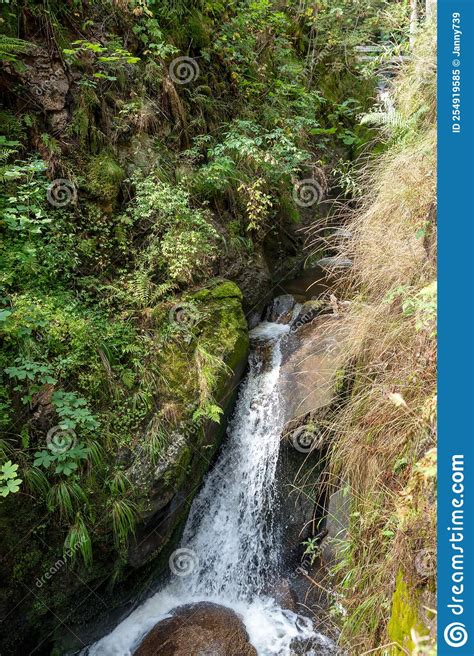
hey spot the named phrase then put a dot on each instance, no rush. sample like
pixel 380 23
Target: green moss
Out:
pixel 405 615
pixel 103 177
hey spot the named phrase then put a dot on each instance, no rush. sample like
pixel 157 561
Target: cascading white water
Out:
pixel 230 547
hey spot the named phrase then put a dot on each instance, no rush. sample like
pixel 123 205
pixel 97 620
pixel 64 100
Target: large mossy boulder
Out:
pixel 203 362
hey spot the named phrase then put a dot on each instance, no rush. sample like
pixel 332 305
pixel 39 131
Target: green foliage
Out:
pixel 66 462
pixel 9 482
pixel 104 176
pixel 73 411
pixel 311 549
pixel 123 517
pixel 78 540
pixel 182 240
pixel 87 290
pixel 64 497
pixel 422 305
pixel 107 58
pixel 11 48
pixel 34 374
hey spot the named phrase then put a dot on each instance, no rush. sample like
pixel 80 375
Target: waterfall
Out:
pixel 229 553
pixel 231 527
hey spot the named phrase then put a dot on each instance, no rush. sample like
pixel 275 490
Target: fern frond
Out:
pixel 11 47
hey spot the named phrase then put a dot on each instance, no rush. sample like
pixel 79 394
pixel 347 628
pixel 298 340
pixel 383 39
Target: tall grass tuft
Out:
pixel 383 452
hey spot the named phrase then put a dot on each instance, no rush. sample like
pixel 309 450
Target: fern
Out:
pixel 11 47
pixel 392 120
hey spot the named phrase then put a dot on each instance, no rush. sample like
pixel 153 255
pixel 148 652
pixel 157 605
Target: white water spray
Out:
pixel 231 544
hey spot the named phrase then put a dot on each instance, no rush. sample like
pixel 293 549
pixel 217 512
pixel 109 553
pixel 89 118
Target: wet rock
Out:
pixel 202 629
pixel 253 278
pixel 285 595
pixel 280 309
pixel 336 262
pixel 309 372
pixel 59 121
pixel 337 524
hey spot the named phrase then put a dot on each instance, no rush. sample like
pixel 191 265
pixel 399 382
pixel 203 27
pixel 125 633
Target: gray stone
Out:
pixel 337 524
pixel 280 309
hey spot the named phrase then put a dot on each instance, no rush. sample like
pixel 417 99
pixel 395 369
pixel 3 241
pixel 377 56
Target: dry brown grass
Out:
pixel 386 428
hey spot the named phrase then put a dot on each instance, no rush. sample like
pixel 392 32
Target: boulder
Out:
pixel 202 629
pixel 309 371
pixel 280 309
pixel 169 481
pixel 46 78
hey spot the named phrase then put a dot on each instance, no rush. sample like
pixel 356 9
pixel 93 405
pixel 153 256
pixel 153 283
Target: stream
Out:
pixel 231 547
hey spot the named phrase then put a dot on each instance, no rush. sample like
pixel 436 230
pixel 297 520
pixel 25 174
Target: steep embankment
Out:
pixel 383 457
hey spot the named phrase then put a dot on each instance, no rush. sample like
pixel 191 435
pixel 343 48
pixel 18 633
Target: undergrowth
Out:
pixel 384 450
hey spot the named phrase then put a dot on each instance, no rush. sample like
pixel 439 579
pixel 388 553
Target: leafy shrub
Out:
pixel 182 240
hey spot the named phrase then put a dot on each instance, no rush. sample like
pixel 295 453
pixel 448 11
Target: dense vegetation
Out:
pixel 384 454
pixel 150 159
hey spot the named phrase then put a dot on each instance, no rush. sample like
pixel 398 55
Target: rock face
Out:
pixel 280 310
pixel 308 375
pixel 309 386
pixel 203 629
pixel 337 524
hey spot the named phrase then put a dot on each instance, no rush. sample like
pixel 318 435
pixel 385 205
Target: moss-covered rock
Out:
pixel 103 177
pixel 405 617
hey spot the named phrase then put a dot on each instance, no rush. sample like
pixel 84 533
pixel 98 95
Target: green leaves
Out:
pixel 108 57
pixel 26 370
pixel 65 463
pixel 33 374
pixel 9 483
pixel 73 411
pixel 208 411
